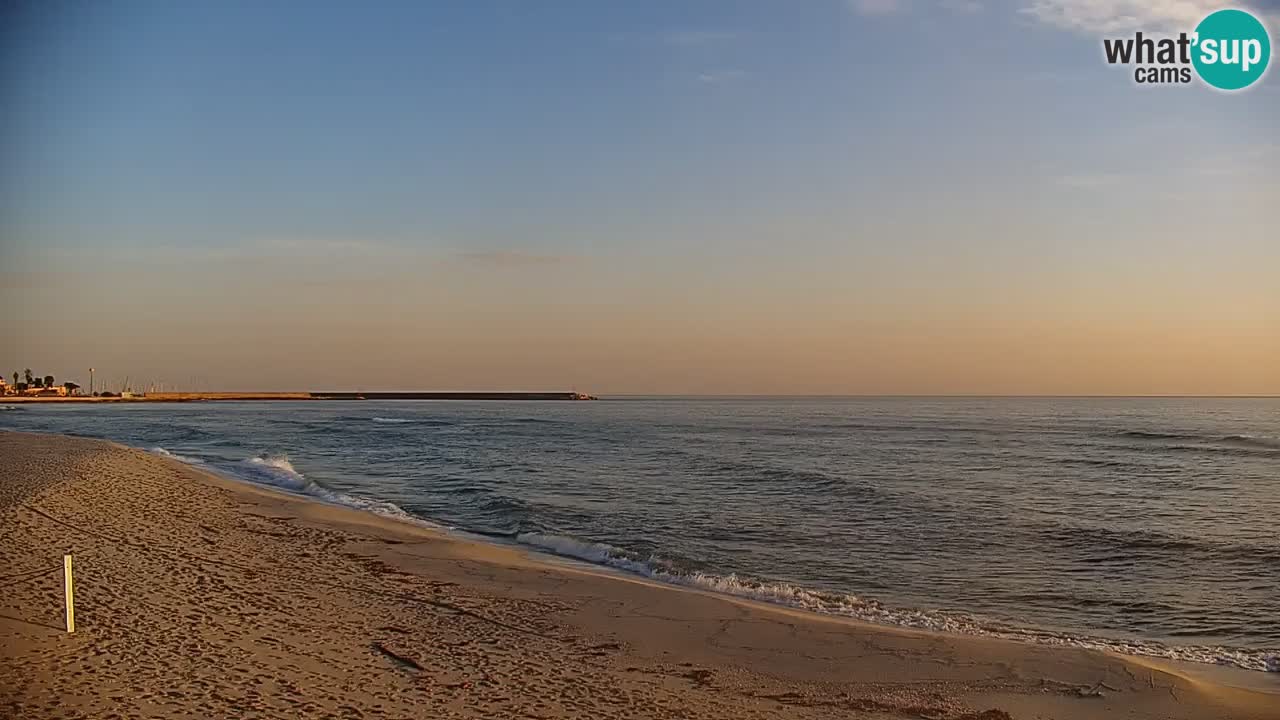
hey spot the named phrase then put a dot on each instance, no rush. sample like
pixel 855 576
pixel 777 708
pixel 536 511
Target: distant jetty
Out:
pixel 277 396
pixel 451 396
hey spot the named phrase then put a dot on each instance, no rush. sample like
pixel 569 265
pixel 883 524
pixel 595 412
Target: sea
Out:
pixel 1147 526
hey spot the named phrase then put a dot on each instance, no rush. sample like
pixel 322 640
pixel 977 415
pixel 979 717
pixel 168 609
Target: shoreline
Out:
pixel 176 397
pixel 618 561
pixel 671 645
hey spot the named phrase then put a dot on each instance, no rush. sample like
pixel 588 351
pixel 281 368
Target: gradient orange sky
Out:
pixel 694 199
pixel 957 320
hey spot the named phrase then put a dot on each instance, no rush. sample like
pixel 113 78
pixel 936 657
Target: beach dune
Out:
pixel 200 597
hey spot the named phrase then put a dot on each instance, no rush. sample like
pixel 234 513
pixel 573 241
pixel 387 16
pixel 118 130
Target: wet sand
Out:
pixel 201 597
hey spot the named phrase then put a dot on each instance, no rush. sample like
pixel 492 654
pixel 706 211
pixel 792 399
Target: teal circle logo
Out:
pixel 1232 49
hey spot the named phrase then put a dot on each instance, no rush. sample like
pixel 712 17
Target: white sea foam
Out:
pixel 175 456
pixel 391 420
pixel 853 606
pixel 278 471
pixel 1259 441
pixel 592 552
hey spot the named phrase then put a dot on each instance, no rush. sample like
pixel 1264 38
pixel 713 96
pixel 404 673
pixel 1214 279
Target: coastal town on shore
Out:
pixel 31 385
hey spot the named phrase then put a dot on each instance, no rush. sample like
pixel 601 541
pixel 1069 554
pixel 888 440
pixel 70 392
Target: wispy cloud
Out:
pixel 320 246
pixel 882 8
pixel 510 258
pixel 236 251
pixel 1124 16
pixel 24 280
pixel 962 7
pixel 1256 160
pixel 696 38
pixel 878 7
pixel 1091 181
pixel 1252 164
pixel 720 77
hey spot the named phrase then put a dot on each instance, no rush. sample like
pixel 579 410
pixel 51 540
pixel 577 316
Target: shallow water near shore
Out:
pixel 1140 525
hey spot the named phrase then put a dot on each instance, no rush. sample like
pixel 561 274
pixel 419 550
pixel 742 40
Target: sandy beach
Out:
pixel 200 597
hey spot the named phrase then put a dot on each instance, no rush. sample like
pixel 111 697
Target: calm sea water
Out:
pixel 1143 525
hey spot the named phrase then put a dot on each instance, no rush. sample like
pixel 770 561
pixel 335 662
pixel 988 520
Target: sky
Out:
pixel 747 197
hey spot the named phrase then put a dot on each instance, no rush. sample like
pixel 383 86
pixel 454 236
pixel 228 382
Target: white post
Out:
pixel 66 581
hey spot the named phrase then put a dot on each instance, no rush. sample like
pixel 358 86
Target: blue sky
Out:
pixel 730 145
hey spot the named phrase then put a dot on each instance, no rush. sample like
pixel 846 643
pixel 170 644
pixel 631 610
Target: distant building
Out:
pixel 5 388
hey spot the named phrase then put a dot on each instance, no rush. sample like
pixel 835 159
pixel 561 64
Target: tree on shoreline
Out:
pixel 26 375
pixel 48 381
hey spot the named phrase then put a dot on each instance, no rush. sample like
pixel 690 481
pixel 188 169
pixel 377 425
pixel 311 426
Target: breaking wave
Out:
pixel 1250 441
pixel 1190 442
pixel 599 554
pixel 1265 443
pixel 175 456
pixel 275 470
pixel 430 422
pixel 1145 435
